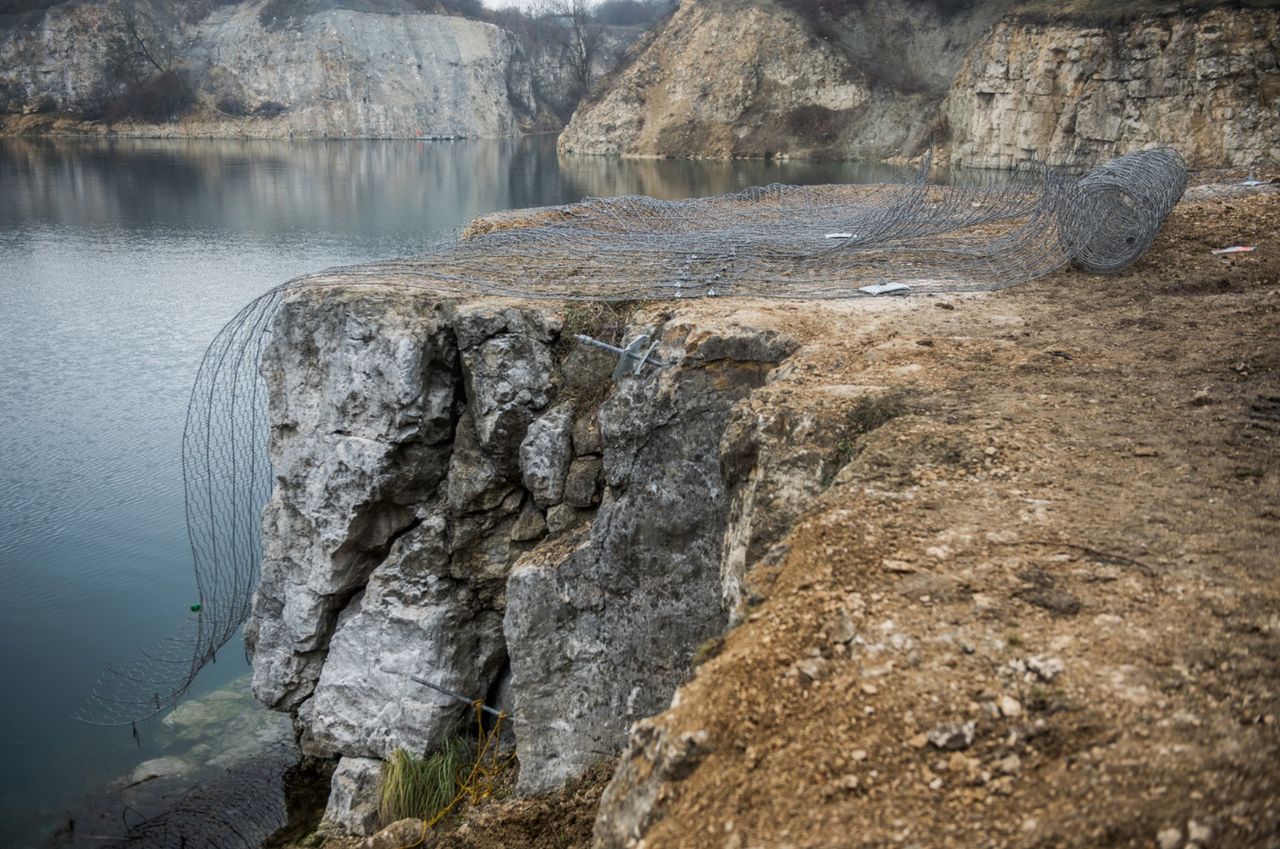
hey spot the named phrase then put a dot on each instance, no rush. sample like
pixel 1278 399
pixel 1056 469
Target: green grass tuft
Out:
pixel 421 787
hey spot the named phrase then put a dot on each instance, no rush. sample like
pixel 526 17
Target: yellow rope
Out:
pixel 480 781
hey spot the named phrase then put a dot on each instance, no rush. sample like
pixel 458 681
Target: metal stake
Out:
pixel 628 355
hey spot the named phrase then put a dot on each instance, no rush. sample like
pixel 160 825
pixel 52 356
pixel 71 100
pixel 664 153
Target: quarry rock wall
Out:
pixel 987 85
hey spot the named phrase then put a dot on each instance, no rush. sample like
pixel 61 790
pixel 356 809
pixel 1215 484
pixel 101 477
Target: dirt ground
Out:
pixel 1040 608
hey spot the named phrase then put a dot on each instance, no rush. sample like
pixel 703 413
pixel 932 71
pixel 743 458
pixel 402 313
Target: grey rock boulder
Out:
pixel 586 435
pixel 582 484
pixel 530 525
pixel 563 517
pixel 509 371
pixel 545 453
pixel 633 799
pixel 601 637
pixel 476 480
pixel 413 621
pixel 353 796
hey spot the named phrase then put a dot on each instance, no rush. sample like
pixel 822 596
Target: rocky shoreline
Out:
pixel 210 749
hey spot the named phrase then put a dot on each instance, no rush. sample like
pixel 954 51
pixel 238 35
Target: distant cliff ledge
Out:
pixel 993 83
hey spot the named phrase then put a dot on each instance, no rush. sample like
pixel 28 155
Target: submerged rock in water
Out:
pixel 159 768
pixel 224 765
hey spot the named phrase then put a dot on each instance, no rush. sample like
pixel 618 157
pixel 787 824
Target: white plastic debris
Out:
pixel 841 235
pixel 1235 249
pixel 885 289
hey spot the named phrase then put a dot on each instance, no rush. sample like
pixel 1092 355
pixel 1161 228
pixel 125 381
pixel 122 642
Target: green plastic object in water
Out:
pixel 195 608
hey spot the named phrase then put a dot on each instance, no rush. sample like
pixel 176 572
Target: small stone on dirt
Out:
pixel 1046 668
pixel 842 628
pixel 950 736
pixel 1009 707
pixel 400 833
pixel 847 782
pixel 812 668
pixel 1010 765
pixel 1169 838
pixel 1198 832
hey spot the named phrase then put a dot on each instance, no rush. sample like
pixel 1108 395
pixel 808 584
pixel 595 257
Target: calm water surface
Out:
pixel 118 263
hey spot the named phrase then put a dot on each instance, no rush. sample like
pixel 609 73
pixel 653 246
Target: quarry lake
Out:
pixel 119 261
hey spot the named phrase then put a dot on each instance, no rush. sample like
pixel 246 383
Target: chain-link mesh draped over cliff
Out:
pixel 772 242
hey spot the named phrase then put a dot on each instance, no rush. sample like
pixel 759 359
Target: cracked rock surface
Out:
pixel 451 510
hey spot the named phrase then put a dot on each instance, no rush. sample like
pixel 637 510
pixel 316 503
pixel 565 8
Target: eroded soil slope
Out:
pixel 1039 609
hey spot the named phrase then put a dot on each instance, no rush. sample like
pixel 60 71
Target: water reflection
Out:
pixel 405 189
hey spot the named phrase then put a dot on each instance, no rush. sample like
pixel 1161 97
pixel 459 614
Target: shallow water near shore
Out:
pixel 119 260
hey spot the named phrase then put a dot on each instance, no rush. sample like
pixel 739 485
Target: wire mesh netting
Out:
pixel 227 478
pixel 810 241
pixel 772 242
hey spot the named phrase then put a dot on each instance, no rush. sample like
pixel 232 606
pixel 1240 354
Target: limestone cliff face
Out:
pixel 709 83
pixel 361 75
pixel 465 502
pixel 332 73
pixel 57 60
pixel 728 78
pixel 1209 85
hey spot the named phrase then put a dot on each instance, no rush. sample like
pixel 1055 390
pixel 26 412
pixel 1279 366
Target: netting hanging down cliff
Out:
pixel 772 242
pixel 227 478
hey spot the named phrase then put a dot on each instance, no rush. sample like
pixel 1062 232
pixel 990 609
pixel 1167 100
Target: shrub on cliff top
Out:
pixel 160 98
pixel 270 109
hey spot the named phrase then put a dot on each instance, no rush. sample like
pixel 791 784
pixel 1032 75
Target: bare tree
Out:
pixel 585 36
pixel 142 72
pixel 148 38
pixel 572 32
